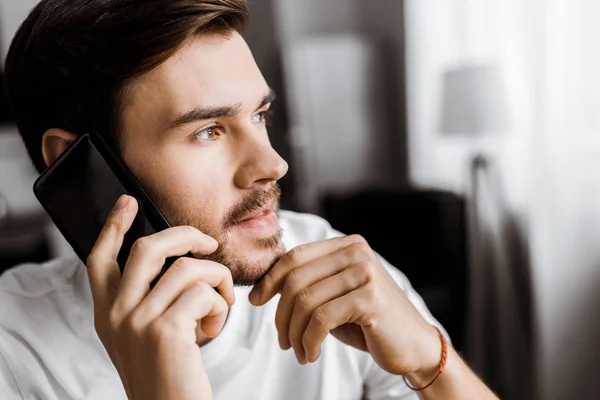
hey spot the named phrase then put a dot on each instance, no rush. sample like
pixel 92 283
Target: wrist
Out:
pixel 427 354
pixel 432 359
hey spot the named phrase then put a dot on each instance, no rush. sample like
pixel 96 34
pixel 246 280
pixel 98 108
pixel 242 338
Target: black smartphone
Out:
pixel 80 190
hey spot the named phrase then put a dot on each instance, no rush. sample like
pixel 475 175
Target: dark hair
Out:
pixel 70 61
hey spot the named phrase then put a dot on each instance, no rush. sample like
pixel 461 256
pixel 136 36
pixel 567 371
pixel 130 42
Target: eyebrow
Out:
pixel 204 113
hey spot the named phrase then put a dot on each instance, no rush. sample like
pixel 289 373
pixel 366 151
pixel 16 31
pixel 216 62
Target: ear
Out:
pixel 54 142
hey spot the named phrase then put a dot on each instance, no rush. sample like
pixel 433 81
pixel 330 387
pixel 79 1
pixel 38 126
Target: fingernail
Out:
pixel 122 203
pixel 310 360
pixel 254 295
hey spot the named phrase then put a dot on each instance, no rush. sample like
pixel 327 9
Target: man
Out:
pixel 174 88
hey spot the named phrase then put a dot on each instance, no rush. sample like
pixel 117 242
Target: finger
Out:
pixel 305 276
pixel 103 270
pixel 327 317
pixel 197 303
pixel 181 275
pixel 211 325
pixel 147 257
pixel 319 294
pixel 273 281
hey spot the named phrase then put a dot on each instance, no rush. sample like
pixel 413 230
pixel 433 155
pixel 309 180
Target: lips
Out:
pixel 262 212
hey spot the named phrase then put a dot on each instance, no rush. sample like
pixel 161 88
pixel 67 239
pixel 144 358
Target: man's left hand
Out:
pixel 340 286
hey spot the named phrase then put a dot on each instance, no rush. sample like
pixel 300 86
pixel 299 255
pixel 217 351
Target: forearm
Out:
pixel 457 381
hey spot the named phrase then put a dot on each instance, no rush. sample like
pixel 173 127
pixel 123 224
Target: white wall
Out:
pixel 12 13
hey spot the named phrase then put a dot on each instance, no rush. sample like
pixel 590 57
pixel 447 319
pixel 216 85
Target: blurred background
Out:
pixel 460 137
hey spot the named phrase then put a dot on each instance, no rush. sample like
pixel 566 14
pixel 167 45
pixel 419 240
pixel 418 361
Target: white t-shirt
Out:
pixel 49 349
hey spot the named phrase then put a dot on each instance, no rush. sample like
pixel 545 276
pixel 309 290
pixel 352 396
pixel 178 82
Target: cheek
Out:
pixel 187 189
pixel 192 176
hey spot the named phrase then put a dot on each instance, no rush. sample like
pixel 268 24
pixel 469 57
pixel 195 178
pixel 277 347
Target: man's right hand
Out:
pixel 152 336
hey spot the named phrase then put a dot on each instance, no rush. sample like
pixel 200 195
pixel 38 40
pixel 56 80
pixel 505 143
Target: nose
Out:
pixel 261 165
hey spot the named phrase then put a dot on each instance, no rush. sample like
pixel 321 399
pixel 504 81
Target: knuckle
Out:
pixel 267 283
pixel 356 238
pixel 162 329
pixel 287 258
pixel 114 321
pixel 199 288
pixel 113 222
pixel 374 297
pixel 166 329
pixel 359 251
pixel 363 246
pixel 267 280
pixel 181 265
pixel 366 270
pixel 295 255
pixel 141 245
pixel 371 321
pixel 96 258
pixel 134 324
pixel 292 281
pixel 303 300
pixel 354 252
pixel 321 315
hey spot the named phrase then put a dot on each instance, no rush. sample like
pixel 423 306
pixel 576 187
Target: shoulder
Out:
pixel 29 293
pixel 33 280
pixel 46 324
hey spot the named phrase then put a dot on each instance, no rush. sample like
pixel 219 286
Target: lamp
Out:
pixel 473 100
pixel 474 105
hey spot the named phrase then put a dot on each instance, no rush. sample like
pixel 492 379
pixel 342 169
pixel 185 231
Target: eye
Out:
pixel 209 133
pixel 261 117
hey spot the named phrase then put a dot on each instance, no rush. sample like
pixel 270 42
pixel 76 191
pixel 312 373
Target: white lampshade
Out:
pixel 474 100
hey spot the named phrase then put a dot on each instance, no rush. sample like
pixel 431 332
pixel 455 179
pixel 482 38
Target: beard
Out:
pixel 247 272
pixel 248 261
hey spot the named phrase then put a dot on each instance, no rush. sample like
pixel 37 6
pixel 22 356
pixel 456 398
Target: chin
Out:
pixel 249 271
pixel 250 260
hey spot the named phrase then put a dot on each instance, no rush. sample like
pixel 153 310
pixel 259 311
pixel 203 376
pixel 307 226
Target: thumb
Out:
pixel 103 270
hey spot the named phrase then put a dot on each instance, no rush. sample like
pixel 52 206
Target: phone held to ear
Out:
pixel 80 190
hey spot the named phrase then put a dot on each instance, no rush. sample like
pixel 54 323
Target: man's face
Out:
pixel 194 134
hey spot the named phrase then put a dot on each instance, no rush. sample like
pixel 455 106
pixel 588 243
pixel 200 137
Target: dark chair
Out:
pixel 423 234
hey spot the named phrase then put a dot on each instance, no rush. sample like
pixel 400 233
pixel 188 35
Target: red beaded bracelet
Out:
pixel 440 369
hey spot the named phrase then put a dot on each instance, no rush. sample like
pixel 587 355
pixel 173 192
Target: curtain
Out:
pixel 499 338
pixel 534 313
